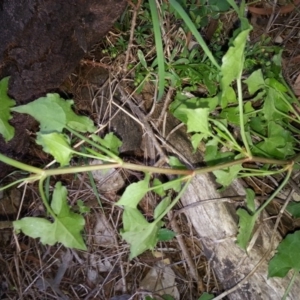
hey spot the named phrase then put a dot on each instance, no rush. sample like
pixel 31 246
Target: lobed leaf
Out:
pixel 287 256
pixel 56 144
pixel 54 114
pixel 255 81
pixel 134 193
pixel 195 119
pixel 65 229
pixel 110 141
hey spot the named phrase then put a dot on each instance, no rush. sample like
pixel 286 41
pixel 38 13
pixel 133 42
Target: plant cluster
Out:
pixel 259 129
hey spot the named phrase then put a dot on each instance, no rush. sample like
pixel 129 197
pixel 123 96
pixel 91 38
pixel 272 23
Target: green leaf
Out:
pixel 37 228
pixel 225 177
pixel 231 114
pixel 195 119
pixel 161 207
pixel 273 105
pixel 234 6
pixel 255 81
pixel 220 4
pixel 228 96
pixel 133 219
pixel 142 58
pixel 250 196
pixel 82 207
pixel 206 296
pixel 246 225
pixel 134 193
pixel 54 114
pixel 165 235
pixel 159 190
pixel 142 239
pixel 174 162
pixel 275 84
pixel 110 141
pixel 65 229
pixel 213 156
pixel 6 129
pixel 138 233
pixel 173 184
pixel 287 256
pixel 294 209
pixel 196 140
pixel 279 143
pixel 233 60
pixel 57 144
pixel 258 125
pixel 182 100
pixel 159 48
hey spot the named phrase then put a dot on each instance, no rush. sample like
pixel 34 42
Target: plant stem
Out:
pixel 288 289
pixel 20 165
pixel 254 172
pixel 241 113
pixel 72 170
pixel 99 147
pixel 174 202
pixel 280 187
pixel 90 156
pixel 12 184
pixel 44 198
pixel 86 168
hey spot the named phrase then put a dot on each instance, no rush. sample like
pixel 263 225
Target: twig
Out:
pixel 133 23
pixel 272 17
pixel 167 101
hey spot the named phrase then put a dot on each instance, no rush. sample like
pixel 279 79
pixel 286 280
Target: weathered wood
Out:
pixel 216 225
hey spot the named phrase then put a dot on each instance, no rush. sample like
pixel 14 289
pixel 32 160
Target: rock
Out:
pixel 43 41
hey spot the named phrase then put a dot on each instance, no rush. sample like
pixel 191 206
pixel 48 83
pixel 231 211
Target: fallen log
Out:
pixel 216 225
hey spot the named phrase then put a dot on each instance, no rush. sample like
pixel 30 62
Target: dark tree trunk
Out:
pixel 42 41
